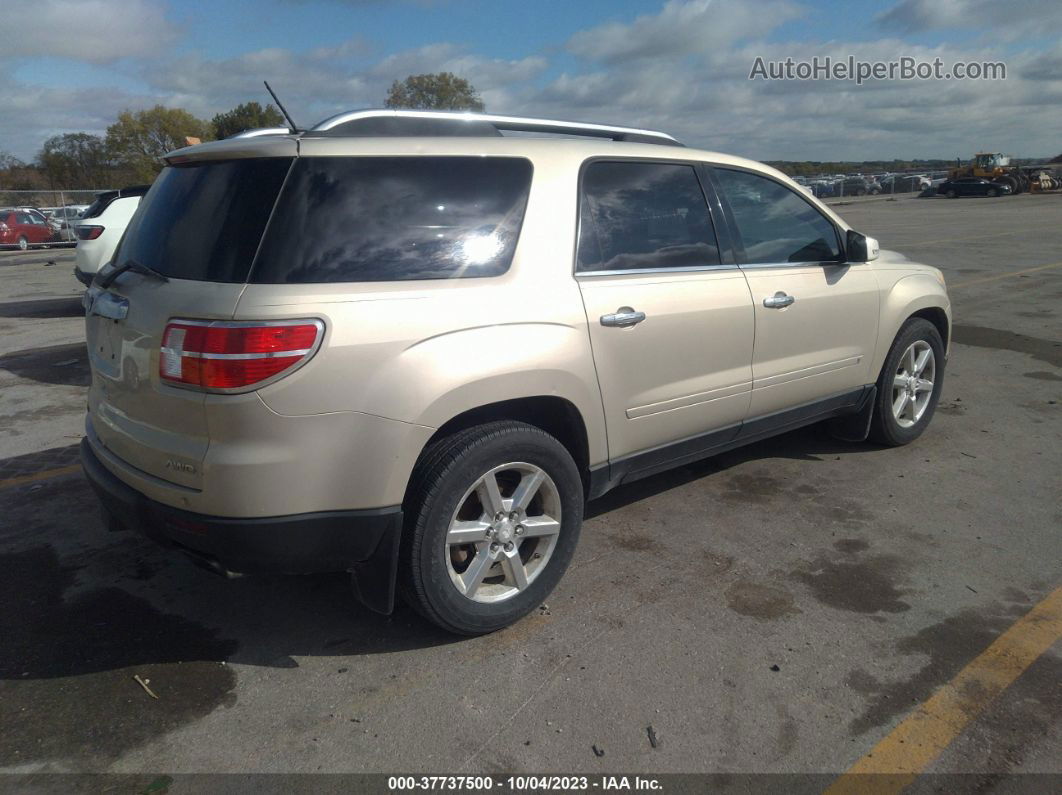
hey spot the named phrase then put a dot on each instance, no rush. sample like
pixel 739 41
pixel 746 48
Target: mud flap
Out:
pixel 855 427
pixel 374 579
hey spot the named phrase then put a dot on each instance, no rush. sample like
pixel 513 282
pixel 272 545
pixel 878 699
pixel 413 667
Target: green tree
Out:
pixel 75 160
pixel 8 161
pixel 137 141
pixel 438 91
pixel 247 116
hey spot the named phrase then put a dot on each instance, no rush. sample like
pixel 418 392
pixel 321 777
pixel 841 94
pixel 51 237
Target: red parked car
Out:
pixel 24 227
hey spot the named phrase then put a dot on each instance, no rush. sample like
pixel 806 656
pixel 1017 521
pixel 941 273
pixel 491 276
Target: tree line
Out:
pixel 129 152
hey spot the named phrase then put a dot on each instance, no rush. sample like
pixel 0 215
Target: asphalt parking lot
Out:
pixel 779 609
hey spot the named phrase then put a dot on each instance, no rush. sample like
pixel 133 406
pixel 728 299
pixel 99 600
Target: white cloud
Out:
pixel 96 31
pixel 484 73
pixel 684 70
pixel 681 28
pixel 1000 20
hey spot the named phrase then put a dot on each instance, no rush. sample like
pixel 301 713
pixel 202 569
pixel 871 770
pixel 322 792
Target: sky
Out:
pixel 681 66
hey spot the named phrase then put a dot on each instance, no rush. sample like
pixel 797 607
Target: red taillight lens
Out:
pixel 89 232
pixel 236 355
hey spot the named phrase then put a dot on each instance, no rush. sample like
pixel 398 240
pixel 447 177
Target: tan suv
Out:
pixel 404 345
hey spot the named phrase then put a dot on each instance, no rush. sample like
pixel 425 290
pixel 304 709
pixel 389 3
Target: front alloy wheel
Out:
pixel 909 385
pixel 912 385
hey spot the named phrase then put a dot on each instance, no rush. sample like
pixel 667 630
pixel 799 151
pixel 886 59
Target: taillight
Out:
pixel 3 227
pixel 232 356
pixel 89 232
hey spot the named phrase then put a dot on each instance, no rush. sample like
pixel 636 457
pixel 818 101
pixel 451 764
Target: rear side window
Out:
pixel 774 223
pixel 637 216
pixel 204 221
pixel 371 219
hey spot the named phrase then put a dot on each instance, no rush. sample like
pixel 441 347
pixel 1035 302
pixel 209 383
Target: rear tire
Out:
pixel 951 194
pixel 477 558
pixel 909 384
pixel 23 243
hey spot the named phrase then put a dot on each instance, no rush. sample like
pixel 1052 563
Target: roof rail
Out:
pixel 434 122
pixel 262 131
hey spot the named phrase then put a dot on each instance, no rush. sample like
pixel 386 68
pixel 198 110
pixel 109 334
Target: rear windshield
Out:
pixel 100 204
pixel 204 221
pixel 369 219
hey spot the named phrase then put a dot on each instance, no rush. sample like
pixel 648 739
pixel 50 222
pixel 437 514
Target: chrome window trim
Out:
pixel 808 264
pixel 648 271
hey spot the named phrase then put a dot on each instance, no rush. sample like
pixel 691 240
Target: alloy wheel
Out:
pixel 912 384
pixel 503 533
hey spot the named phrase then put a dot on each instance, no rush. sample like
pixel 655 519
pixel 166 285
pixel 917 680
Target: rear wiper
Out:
pixel 135 267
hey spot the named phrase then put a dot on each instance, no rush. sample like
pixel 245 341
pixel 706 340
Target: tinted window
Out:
pixel 96 208
pixel 643 215
pixel 774 223
pixel 204 221
pixel 368 219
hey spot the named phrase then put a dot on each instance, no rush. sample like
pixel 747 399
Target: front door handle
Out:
pixel 778 301
pixel 623 317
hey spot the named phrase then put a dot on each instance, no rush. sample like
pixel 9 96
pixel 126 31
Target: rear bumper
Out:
pixel 364 542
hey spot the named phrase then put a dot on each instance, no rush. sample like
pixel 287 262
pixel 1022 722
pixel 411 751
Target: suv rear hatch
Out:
pixel 197 229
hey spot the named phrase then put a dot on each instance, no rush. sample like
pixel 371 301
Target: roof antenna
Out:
pixel 272 93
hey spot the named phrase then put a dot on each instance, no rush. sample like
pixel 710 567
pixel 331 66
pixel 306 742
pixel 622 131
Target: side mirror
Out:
pixel 861 248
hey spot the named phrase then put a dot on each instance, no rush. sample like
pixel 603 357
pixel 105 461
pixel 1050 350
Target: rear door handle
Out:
pixel 623 317
pixel 778 301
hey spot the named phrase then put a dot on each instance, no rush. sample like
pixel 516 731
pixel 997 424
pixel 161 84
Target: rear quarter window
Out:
pixel 371 219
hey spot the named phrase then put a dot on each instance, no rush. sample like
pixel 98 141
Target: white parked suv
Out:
pixel 101 226
pixel 404 345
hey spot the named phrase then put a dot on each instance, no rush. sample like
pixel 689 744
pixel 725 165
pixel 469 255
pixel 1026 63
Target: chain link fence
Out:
pixel 41 199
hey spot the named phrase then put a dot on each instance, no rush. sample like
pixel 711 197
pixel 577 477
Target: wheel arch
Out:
pixel 919 295
pixel 939 318
pixel 555 415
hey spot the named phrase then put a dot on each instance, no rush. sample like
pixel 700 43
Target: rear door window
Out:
pixel 204 221
pixel 370 219
pixel 643 216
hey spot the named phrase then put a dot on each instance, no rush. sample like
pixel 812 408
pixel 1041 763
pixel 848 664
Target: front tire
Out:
pixel 909 384
pixel 492 520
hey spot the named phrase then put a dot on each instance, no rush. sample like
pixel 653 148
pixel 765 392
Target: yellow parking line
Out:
pixel 22 480
pixel 913 745
pixel 1005 275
